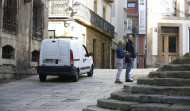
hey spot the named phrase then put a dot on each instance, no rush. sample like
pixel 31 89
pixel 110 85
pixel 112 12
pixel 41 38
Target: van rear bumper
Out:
pixel 56 70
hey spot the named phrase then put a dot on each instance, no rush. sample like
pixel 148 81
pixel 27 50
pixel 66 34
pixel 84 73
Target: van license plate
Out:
pixel 49 61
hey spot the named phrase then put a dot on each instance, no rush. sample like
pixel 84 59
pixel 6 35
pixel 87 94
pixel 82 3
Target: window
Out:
pixel 142 20
pixel 172 44
pixel 189 7
pixel 129 24
pixel 38 16
pixel 102 56
pixel 7 52
pixel 51 34
pixel 189 40
pixel 95 6
pixel 141 2
pixel 35 56
pixel 104 12
pixel 162 43
pixel 168 7
pixel 94 50
pixel 10 22
pixel 131 4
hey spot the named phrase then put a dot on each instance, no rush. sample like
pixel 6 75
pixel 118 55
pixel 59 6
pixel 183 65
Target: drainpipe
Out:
pixel 30 34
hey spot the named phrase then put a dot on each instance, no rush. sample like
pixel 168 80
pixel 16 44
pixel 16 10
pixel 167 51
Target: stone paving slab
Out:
pixel 62 95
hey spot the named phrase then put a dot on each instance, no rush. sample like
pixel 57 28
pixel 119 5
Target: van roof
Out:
pixel 70 40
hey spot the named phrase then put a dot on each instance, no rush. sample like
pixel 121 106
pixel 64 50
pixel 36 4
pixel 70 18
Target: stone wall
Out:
pixel 23 42
pixel 100 38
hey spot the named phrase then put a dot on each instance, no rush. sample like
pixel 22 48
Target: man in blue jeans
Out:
pixel 130 50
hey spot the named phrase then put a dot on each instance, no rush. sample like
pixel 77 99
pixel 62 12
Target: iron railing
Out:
pixel 58 8
pixel 95 19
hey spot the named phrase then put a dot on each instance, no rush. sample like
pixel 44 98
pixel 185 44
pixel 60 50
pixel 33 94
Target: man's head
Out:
pixel 130 38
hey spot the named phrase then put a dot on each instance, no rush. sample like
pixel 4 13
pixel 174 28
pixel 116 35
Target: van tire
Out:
pixel 90 74
pixel 42 77
pixel 76 77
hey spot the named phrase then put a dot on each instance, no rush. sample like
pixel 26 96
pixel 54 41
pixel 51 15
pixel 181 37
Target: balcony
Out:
pixel 109 1
pixel 57 10
pixel 90 18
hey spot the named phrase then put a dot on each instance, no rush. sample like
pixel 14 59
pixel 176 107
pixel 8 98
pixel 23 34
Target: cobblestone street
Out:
pixel 60 95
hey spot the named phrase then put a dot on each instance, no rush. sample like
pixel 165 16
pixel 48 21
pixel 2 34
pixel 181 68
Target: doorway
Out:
pixel 170 47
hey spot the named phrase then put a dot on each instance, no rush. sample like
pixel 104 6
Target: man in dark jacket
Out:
pixel 130 50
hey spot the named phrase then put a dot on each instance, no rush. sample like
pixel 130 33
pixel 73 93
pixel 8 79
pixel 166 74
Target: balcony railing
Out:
pixel 97 21
pixel 57 9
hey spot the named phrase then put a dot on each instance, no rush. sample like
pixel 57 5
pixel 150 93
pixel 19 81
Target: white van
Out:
pixel 59 57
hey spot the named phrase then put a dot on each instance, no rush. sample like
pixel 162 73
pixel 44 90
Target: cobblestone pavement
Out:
pixel 61 95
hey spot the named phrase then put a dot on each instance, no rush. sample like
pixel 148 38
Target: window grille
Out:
pixel 38 19
pixel 10 22
pixel 7 52
pixel 35 56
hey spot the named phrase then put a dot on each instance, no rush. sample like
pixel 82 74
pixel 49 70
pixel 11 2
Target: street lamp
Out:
pixel 71 11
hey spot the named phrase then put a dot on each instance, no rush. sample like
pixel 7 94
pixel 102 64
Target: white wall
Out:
pixel 155 18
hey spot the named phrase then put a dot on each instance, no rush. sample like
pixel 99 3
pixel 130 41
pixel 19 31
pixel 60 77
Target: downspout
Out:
pixel 30 34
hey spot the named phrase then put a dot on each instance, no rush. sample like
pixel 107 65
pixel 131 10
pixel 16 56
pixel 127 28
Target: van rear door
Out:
pixel 64 53
pixel 49 53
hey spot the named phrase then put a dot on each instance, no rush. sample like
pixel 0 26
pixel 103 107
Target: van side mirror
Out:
pixel 90 54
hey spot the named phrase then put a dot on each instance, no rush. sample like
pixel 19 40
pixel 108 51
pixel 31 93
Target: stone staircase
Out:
pixel 167 89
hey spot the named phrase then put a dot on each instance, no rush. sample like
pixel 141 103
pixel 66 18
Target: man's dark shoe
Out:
pixel 129 80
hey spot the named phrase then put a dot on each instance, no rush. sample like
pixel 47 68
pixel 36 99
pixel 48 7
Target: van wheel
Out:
pixel 76 77
pixel 42 77
pixel 90 74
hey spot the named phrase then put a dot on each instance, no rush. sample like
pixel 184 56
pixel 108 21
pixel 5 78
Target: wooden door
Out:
pixel 170 48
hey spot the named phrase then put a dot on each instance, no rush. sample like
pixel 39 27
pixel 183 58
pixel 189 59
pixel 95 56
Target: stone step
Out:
pixel 159 107
pixel 175 67
pixel 166 90
pixel 187 55
pixel 170 74
pixel 181 60
pixel 96 108
pixel 150 98
pixel 135 106
pixel 164 82
pixel 115 104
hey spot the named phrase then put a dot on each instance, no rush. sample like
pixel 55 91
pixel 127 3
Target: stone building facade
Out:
pixel 90 21
pixel 168 30
pixel 23 25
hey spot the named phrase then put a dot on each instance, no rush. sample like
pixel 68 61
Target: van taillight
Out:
pixel 71 57
pixel 39 58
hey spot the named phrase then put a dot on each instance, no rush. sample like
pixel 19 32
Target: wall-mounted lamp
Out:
pixel 71 11
pixel 27 1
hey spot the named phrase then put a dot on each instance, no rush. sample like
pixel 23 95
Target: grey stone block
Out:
pixel 115 104
pixel 175 67
pixel 179 108
pixel 167 90
pixel 149 107
pixel 181 60
pixel 96 108
pixel 164 82
pixel 170 74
